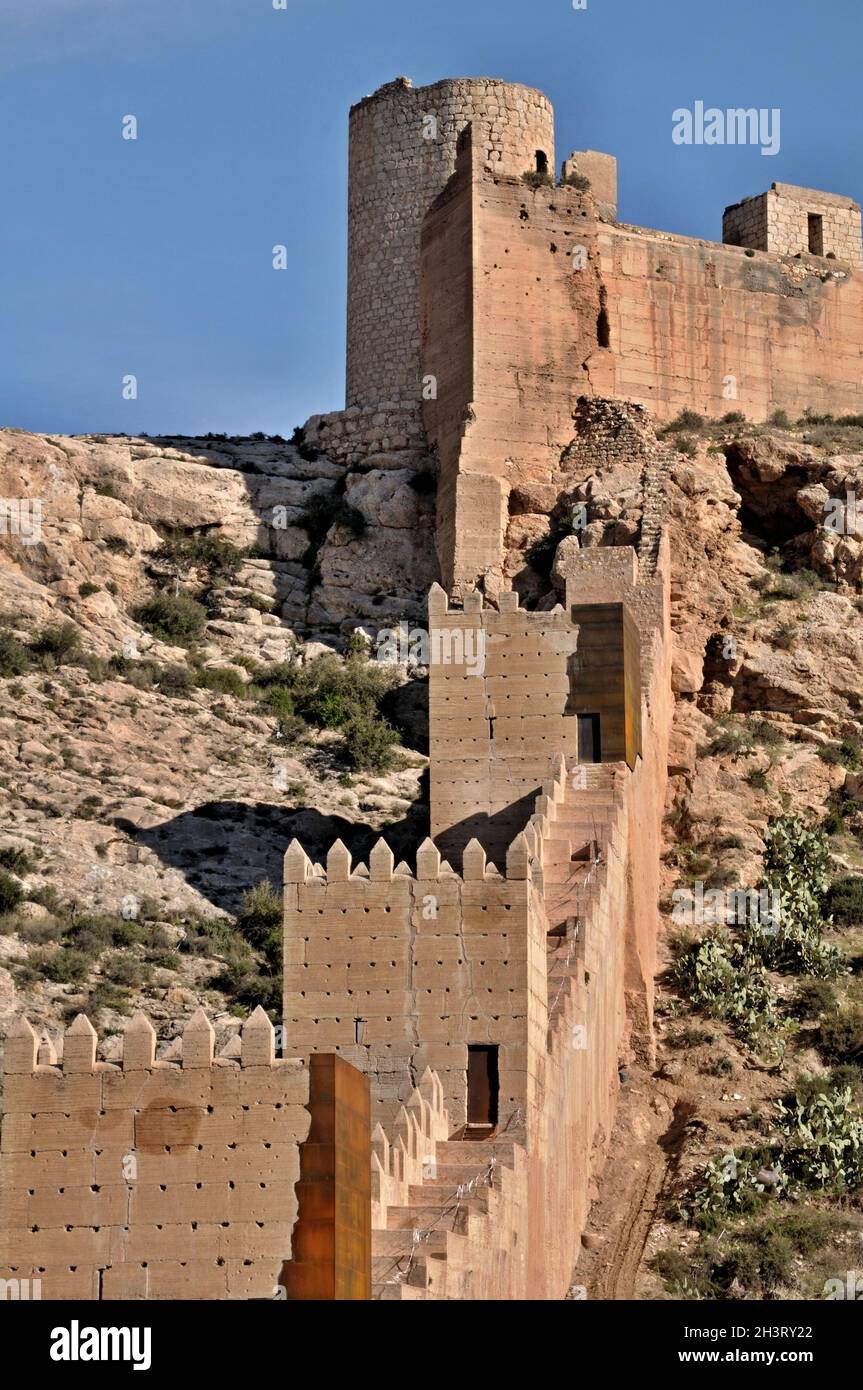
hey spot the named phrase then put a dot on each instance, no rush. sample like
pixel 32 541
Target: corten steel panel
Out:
pixel 607 677
pixel 332 1244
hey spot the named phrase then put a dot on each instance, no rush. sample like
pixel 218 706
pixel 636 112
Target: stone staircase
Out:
pixel 424 1251
pixel 442 1205
pixel 654 484
pixel 575 870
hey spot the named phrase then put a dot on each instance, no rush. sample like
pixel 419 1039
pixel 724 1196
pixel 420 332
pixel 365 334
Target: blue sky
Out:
pixel 154 257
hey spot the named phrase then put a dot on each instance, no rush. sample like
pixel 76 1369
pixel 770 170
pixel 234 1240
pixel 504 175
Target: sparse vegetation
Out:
pixel 175 618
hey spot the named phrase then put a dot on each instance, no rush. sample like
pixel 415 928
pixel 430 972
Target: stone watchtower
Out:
pixel 402 153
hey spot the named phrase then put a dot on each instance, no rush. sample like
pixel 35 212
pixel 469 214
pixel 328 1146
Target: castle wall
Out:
pixel 564 305
pixel 150 1180
pixel 398 972
pixel 402 153
pixel 499 689
pixel 687 315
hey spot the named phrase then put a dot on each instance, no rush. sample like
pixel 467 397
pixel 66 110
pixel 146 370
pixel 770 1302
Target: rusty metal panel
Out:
pixel 332 1244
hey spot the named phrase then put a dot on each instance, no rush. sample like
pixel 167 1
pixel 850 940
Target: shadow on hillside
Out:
pixel 223 848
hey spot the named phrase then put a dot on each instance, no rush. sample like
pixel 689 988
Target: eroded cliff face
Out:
pixel 186 800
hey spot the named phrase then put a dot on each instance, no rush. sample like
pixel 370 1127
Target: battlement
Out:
pixel 149 1178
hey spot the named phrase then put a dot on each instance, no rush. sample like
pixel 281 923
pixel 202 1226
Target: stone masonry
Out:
pixel 402 153
pixel 794 221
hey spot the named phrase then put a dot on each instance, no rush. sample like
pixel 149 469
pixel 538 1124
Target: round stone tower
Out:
pixel 402 153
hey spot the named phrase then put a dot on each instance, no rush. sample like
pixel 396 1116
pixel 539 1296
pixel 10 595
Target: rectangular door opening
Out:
pixel 589 739
pixel 483 1087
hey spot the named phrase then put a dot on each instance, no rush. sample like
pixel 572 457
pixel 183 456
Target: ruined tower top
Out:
pixel 402 153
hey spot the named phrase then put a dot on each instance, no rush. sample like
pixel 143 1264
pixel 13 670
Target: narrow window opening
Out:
pixel 541 162
pixel 483 1087
pixel 816 234
pixel 603 331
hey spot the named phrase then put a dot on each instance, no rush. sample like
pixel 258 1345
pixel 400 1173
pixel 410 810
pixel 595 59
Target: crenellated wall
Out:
pixel 398 971
pixel 150 1179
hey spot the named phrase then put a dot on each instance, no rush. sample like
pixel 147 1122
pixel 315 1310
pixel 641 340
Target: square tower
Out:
pixel 794 221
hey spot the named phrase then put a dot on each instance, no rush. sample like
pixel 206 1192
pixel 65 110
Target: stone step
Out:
pixel 453 1172
pixel 401 1243
pixel 396 1293
pixel 463 1150
pixel 455 1216
pixel 423 1197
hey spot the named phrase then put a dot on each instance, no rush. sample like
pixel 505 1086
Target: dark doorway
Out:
pixel 816 234
pixel 589 739
pixel 541 162
pixel 482 1087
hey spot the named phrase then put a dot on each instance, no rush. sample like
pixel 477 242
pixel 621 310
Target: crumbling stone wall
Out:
pixel 402 153
pixel 532 301
pixel 150 1179
pixel 778 221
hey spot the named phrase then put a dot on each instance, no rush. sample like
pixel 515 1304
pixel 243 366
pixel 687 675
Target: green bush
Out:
pixel 219 558
pixel 14 657
pixel 844 900
pixel 727 982
pixel 813 998
pixel 734 739
pixel 823 1140
pixel 57 642
pixel 766 733
pixel 841 1037
pixel 260 918
pixel 124 970
pixel 328 692
pixel 38 933
pixel 222 679
pixel 686 420
pixel 796 863
pixel 370 742
pixel 280 702
pixel 107 995
pixel 175 681
pixel 11 893
pixel 18 861
pixel 63 965
pixel 88 588
pixel 329 510
pixel 534 179
pixel 176 618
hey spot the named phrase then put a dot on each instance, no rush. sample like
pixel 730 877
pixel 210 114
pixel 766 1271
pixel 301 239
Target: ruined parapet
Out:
pixel 402 153
pixel 351 436
pixel 600 171
pixel 146 1178
pixel 793 221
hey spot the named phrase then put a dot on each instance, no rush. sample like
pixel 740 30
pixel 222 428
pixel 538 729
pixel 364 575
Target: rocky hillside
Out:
pixel 172 710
